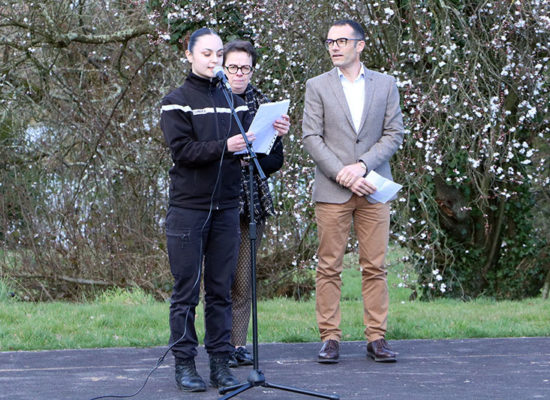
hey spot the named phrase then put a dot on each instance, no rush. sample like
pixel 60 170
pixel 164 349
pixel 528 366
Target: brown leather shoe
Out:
pixel 330 352
pixel 379 350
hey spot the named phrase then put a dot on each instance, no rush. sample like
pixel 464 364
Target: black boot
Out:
pixel 187 377
pixel 220 375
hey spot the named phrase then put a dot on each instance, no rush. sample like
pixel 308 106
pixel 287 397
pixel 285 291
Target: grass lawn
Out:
pixel 120 318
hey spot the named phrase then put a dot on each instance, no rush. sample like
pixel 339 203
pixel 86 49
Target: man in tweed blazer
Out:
pixel 352 124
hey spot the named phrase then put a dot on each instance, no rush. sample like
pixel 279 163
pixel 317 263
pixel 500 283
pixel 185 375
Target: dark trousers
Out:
pixel 194 237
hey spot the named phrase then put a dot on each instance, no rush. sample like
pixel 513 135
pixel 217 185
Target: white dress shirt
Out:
pixel 355 96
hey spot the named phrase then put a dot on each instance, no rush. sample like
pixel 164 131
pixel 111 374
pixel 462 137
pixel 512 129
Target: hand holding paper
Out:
pixel 282 125
pixel 386 188
pixel 237 143
pixel 262 125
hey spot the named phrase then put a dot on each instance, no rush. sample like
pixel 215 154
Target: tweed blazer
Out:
pixel 330 138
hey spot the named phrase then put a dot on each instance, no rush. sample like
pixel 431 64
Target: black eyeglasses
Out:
pixel 245 69
pixel 340 42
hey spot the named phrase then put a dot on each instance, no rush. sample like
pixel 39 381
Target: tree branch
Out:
pixel 116 37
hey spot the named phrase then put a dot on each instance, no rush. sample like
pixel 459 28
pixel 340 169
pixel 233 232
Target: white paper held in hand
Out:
pixel 262 125
pixel 385 188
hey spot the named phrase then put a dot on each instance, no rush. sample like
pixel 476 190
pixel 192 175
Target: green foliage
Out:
pixel 134 296
pixel 477 117
pixel 6 292
pixel 180 18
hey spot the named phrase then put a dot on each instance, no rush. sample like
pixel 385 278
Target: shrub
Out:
pixel 84 167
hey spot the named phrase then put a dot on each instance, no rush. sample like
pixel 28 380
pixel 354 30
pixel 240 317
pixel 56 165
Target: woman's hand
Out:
pixel 237 143
pixel 282 125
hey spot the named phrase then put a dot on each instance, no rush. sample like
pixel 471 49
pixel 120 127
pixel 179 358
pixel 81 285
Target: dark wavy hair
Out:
pixel 241 45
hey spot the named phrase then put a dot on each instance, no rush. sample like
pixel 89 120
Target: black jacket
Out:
pixel 196 122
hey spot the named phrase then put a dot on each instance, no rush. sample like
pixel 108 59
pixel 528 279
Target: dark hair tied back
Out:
pixel 197 34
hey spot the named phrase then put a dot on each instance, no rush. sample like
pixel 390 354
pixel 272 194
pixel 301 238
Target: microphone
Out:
pixel 218 71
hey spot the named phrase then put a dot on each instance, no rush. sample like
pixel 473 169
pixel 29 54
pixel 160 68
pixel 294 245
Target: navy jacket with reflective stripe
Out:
pixel 196 122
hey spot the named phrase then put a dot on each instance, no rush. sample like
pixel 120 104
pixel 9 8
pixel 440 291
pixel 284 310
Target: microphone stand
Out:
pixel 256 377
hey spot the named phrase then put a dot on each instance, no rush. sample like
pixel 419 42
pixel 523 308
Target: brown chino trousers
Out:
pixel 371 224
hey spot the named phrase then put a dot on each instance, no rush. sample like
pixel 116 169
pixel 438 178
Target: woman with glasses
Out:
pixel 239 61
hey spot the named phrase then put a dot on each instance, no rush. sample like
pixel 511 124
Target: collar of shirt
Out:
pixel 355 96
pixel 361 75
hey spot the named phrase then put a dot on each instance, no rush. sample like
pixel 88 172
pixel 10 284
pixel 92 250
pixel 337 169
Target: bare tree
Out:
pixel 83 176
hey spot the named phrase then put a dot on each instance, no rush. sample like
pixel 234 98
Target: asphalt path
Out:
pixel 509 368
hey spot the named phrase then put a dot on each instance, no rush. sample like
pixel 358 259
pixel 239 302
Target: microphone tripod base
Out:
pixel 257 378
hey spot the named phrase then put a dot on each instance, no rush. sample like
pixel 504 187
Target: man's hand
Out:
pixel 350 173
pixel 362 187
pixel 237 143
pixel 282 125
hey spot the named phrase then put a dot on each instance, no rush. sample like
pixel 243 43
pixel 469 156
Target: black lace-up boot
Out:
pixel 187 377
pixel 220 374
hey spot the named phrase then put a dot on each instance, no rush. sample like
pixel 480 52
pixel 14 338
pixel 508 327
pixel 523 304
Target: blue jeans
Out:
pixel 194 237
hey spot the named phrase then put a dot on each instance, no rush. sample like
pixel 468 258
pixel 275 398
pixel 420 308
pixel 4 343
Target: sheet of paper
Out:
pixel 385 188
pixel 262 125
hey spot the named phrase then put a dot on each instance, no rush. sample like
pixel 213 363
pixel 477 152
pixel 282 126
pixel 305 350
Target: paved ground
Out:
pixel 517 368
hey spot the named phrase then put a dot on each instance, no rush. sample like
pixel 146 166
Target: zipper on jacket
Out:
pixel 217 188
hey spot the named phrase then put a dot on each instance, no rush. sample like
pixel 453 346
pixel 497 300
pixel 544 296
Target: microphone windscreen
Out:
pixel 218 70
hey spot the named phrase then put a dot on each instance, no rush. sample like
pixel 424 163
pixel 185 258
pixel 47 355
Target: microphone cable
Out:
pixel 199 267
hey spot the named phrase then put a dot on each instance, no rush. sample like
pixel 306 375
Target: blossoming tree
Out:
pixel 83 170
